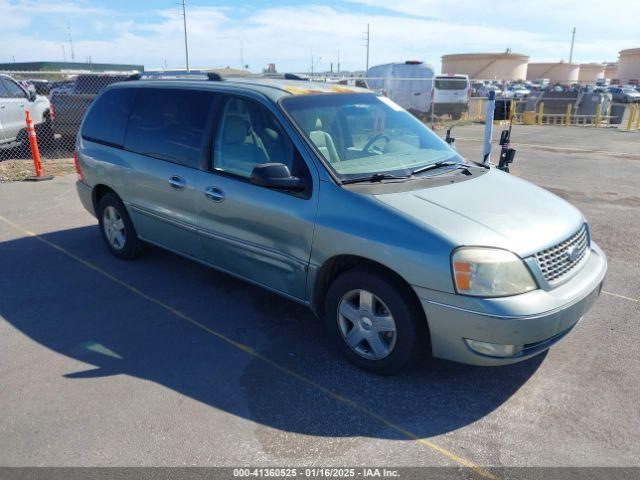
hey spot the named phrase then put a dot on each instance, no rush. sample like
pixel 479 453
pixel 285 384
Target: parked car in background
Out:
pixel 15 100
pixel 624 94
pixel 451 95
pixel 485 90
pixel 69 102
pixel 516 91
pixel 339 199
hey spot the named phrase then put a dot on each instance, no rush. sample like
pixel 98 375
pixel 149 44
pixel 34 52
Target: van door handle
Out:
pixel 177 182
pixel 214 194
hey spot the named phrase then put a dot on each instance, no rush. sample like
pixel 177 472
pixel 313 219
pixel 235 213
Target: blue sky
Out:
pixel 287 32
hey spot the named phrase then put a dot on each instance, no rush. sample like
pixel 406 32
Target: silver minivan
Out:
pixel 337 198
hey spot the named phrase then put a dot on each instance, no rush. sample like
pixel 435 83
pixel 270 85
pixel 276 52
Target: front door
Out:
pixel 257 233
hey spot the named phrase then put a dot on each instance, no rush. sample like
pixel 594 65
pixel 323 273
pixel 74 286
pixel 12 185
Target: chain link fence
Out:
pixel 57 102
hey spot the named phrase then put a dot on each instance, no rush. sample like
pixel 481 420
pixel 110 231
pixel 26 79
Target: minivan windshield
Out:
pixel 363 134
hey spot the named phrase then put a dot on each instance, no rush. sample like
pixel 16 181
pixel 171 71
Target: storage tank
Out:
pixel 611 70
pixel 556 72
pixel 487 66
pixel 590 72
pixel 629 66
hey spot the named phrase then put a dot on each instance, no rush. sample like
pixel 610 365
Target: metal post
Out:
pixel 488 127
pixel 567 120
pixel 596 120
pixel 186 44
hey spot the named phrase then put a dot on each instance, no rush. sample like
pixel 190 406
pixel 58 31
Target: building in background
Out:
pixel 69 67
pixel 611 70
pixel 590 72
pixel 487 66
pixel 556 72
pixel 629 66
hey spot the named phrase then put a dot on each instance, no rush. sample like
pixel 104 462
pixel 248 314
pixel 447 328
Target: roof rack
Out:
pixel 214 77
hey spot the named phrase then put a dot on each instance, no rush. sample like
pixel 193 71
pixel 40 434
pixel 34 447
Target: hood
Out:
pixel 495 210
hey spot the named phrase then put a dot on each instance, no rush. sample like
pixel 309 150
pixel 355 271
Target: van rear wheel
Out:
pixel 117 229
pixel 374 322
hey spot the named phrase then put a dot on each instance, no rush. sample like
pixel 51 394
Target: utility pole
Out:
pixel 573 39
pixel 312 63
pixel 338 61
pixel 73 55
pixel 367 38
pixel 64 53
pixel 186 44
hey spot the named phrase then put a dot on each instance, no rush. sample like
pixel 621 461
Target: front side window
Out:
pixel 364 134
pixel 170 124
pixel 248 135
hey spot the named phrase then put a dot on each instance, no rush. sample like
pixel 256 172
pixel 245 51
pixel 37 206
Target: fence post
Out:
pixel 596 120
pixel 567 120
pixel 35 151
pixel 540 113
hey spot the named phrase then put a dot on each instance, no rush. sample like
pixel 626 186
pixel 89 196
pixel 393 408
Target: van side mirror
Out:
pixel 277 176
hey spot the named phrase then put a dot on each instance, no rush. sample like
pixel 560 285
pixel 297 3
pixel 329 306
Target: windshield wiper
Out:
pixel 376 177
pixel 442 163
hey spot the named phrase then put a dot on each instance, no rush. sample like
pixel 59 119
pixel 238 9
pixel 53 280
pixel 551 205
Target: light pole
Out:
pixel 186 44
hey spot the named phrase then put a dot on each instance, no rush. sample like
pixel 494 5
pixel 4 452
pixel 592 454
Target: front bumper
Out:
pixel 532 321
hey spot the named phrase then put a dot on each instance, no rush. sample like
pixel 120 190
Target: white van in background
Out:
pixel 409 84
pixel 451 95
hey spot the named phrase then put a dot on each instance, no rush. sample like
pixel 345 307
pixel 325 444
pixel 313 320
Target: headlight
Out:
pixel 490 272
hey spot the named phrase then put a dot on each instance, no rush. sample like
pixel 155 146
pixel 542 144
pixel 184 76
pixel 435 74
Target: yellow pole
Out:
pixel 638 119
pixel 540 113
pixel 632 114
pixel 479 110
pixel 567 120
pixel 512 112
pixel 596 120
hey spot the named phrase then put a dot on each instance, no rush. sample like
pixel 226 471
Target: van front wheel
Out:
pixel 374 322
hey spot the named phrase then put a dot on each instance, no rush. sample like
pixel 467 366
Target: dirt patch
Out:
pixel 17 170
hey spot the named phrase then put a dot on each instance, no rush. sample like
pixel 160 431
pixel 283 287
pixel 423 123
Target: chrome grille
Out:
pixel 556 262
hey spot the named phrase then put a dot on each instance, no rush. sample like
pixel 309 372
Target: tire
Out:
pixel 122 241
pixel 406 346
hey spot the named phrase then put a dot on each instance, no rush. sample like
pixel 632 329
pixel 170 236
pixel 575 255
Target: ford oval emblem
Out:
pixel 572 253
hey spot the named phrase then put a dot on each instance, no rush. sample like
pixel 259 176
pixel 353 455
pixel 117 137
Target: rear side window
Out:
pixel 170 124
pixel 451 84
pixel 106 121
